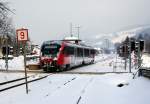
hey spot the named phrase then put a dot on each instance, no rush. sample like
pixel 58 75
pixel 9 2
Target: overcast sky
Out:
pixel 50 19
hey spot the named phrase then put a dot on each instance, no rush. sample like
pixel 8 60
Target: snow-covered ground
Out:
pixel 4 76
pixel 105 63
pixel 82 89
pixel 146 60
pixel 17 63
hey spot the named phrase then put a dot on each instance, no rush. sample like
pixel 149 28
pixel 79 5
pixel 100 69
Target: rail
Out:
pixel 19 84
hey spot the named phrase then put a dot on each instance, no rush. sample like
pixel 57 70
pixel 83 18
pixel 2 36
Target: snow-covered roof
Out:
pixel 71 38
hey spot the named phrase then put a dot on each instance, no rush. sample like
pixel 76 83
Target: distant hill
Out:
pixel 108 40
pixel 142 32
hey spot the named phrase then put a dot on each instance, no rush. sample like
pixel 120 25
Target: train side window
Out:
pixel 71 51
pixel 86 52
pixel 68 50
pixel 92 51
pixel 80 52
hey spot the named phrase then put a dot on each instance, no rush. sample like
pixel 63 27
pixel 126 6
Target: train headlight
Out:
pixel 55 58
pixel 42 58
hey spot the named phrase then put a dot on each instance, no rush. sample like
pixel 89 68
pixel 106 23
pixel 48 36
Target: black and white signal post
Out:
pixel 22 37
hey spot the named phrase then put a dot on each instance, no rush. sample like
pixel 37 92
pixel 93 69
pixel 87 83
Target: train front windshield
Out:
pixel 50 50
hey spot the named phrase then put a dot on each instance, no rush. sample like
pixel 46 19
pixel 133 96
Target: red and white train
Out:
pixel 58 55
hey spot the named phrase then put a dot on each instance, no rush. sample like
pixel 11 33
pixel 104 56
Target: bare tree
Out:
pixel 6 26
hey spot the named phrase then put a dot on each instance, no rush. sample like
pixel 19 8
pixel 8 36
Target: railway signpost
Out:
pixel 22 37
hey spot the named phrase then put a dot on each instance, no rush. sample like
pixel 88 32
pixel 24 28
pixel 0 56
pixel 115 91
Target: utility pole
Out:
pixel 125 54
pixel 138 52
pixel 6 56
pixel 139 56
pixel 129 55
pixel 107 43
pixel 78 29
pixel 71 30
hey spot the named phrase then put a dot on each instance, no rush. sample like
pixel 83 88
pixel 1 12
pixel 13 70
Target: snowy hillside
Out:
pixel 121 36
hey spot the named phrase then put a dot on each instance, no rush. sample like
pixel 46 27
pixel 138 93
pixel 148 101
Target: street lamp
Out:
pixel 5 37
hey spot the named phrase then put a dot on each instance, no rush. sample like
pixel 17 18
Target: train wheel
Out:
pixel 67 67
pixel 83 63
pixel 60 68
pixel 92 62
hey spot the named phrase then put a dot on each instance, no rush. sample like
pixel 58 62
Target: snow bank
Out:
pixel 17 63
pixel 146 60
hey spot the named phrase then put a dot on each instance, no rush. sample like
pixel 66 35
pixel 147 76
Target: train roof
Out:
pixel 66 43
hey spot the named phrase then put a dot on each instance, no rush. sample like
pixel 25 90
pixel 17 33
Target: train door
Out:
pixel 75 56
pixel 83 56
pixel 72 56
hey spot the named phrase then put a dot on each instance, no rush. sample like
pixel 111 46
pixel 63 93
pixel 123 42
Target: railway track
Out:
pixel 91 73
pixel 18 82
pixel 21 71
pixel 66 72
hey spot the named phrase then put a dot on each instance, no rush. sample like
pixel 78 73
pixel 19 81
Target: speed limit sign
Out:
pixel 22 34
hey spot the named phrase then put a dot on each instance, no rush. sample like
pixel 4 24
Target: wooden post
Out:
pixel 24 45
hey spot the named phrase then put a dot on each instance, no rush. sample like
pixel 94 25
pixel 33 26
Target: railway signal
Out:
pixel 136 47
pixel 141 45
pixel 11 50
pixel 132 46
pixel 5 50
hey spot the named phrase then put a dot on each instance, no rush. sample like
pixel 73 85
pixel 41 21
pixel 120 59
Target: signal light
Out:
pixel 5 50
pixel 136 47
pixel 21 51
pixel 11 50
pixel 132 46
pixel 141 45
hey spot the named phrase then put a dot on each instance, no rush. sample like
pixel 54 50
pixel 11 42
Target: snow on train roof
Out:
pixel 52 41
pixel 72 38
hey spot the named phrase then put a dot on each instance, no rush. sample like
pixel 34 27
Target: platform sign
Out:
pixel 22 34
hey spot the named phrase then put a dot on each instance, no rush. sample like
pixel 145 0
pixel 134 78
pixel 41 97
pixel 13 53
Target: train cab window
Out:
pixel 50 49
